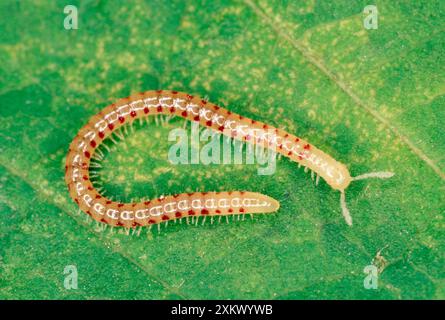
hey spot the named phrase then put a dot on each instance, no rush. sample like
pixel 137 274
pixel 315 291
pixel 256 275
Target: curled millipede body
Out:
pixel 172 103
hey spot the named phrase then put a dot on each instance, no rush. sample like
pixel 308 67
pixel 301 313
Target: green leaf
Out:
pixel 373 99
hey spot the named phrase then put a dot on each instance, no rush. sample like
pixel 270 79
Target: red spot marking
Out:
pixel 230 210
pixel 108 202
pixel 87 154
pixel 175 92
pixel 93 143
pixel 85 178
pixel 134 205
pixel 146 110
pixel 184 113
pixel 265 126
pixel 175 195
pixel 221 128
pixel 215 107
pixel 103 220
pixel 290 153
pixel 165 218
pixel 88 212
pixel 297 139
pixel 76 201
pixel 209 123
pixel 204 102
pixel 133 113
pixel 300 157
pixel 204 211
pixel 101 134
pixel 190 97
pixel 307 147
pixel 218 211
pixel 111 126
pixel 120 205
pixel 159 108
pixel 121 119
pixel 119 224
pixel 178 215
pixel 98 197
pixel 241 210
pixel 172 109
pixel 158 91
pixel 196 118
pixel 90 188
pixel 229 113
pixel 191 212
pixel 151 221
pixel 147 203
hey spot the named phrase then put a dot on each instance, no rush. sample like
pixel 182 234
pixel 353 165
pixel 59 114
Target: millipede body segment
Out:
pixel 192 108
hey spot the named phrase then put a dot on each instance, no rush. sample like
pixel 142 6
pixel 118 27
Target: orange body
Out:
pixel 168 208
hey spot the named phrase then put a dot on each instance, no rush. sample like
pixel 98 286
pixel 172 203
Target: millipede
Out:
pixel 84 149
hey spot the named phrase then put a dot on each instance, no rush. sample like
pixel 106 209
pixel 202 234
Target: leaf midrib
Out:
pixel 103 242
pixel 370 109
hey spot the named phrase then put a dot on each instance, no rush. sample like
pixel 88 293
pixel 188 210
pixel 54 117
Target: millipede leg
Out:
pixel 112 139
pixel 119 135
pixel 100 153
